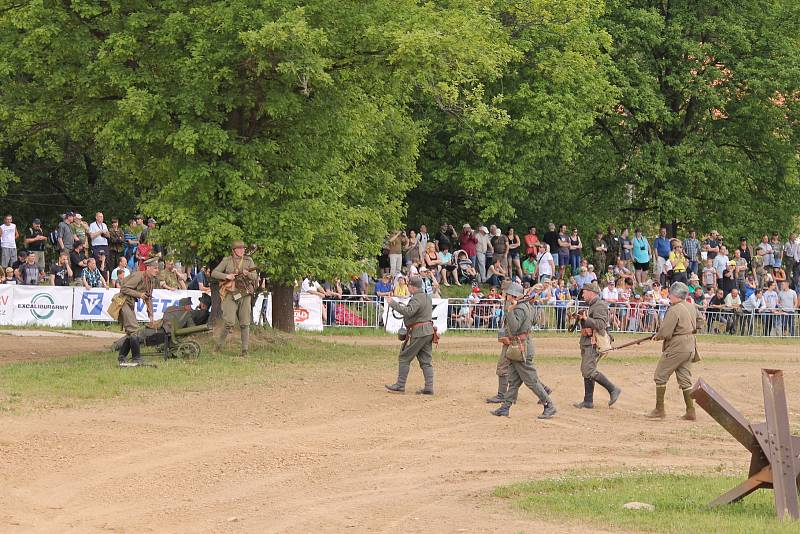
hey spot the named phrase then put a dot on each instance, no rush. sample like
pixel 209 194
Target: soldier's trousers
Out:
pixel 523 373
pixel 588 361
pixel 421 349
pixel 127 317
pixel 680 364
pixel 233 310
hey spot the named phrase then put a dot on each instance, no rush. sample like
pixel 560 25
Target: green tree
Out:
pixel 706 133
pixel 512 161
pixel 287 126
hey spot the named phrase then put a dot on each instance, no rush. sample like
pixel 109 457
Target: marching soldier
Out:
pixel 518 351
pixel 139 285
pixel 594 322
pixel 419 336
pixel 503 362
pixel 679 350
pixel 239 272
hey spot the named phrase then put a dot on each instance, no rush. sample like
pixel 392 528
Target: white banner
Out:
pixel 163 299
pixel 307 314
pixel 91 304
pixel 394 320
pixel 6 303
pixel 42 306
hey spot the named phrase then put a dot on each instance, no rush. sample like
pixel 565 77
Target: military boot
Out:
pixel 220 342
pixel 427 372
pixel 690 414
pixel 588 394
pixel 502 387
pixel 658 412
pixel 613 391
pixel 502 411
pixel 124 348
pixel 548 390
pixel 245 333
pixel 549 410
pixel 136 353
pixel 402 375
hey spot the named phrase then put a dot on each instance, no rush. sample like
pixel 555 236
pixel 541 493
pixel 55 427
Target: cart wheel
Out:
pixel 187 349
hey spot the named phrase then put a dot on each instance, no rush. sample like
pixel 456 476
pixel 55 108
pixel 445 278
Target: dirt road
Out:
pixel 331 451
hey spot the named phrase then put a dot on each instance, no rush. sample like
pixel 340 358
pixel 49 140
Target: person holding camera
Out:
pixel 396 242
pixel 641 256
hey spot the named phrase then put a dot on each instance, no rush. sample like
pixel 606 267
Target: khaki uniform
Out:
pixel 677 331
pixel 418 344
pixel 519 321
pixel 170 278
pixel 132 287
pixel 599 257
pixel 237 305
pixel 596 319
pixel 176 317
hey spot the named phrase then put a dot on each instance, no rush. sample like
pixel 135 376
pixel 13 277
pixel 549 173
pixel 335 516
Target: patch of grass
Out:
pixel 681 503
pixel 73 380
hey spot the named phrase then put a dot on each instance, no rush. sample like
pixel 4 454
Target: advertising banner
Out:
pixel 6 306
pixel 163 299
pixel 394 320
pixel 42 306
pixel 307 314
pixel 91 304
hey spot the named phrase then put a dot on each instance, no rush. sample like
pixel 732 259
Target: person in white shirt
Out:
pixel 610 293
pixel 720 263
pixel 770 307
pixel 545 267
pixel 311 287
pixel 98 233
pixel 788 303
pixel 8 242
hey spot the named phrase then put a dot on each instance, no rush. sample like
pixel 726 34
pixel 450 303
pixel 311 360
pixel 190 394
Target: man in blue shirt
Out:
pixel 662 247
pixel 383 287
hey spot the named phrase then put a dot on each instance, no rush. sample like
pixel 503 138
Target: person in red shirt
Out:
pixel 531 239
pixel 469 244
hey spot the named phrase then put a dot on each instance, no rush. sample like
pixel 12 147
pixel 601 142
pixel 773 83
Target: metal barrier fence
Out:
pixel 365 311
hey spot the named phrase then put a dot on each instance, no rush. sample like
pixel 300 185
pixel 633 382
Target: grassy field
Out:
pixel 681 503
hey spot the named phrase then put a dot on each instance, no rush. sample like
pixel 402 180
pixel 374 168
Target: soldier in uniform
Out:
pixel 178 316
pixel 593 321
pixel 139 285
pixel 503 363
pixel 419 336
pixel 201 314
pixel 679 350
pixel 518 319
pixel 237 303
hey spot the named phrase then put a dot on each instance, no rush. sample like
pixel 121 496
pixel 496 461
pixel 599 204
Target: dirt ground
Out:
pixel 331 451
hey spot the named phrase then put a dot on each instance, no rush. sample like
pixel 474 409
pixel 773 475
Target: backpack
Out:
pixel 53 238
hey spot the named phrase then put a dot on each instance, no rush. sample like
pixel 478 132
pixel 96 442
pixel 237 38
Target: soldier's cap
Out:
pixel 185 301
pixel 514 289
pixel 152 262
pixel 415 281
pixel 205 299
pixel 237 243
pixel 593 287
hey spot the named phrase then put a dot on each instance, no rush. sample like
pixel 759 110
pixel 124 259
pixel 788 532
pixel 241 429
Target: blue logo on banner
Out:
pixel 92 303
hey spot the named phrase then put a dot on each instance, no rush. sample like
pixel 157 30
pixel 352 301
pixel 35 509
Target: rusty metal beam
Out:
pixel 725 414
pixel 781 451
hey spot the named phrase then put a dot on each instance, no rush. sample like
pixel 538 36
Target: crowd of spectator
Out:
pixel 91 255
pixel 727 279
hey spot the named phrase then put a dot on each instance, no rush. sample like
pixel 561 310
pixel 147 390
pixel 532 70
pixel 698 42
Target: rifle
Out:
pixel 628 344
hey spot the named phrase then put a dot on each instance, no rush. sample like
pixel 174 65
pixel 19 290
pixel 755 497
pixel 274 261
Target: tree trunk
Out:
pixel 282 307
